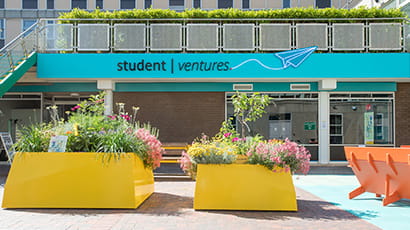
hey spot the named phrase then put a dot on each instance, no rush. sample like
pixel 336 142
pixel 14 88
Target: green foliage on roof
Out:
pixel 288 13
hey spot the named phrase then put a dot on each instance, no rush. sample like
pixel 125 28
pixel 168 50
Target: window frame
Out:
pixel 336 125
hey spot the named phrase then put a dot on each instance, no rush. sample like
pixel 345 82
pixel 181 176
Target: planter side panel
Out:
pixel 75 180
pixel 243 187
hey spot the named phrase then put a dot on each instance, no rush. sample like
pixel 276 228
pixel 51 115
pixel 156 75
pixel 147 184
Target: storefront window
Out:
pixel 360 119
pixel 16 111
pixel 290 115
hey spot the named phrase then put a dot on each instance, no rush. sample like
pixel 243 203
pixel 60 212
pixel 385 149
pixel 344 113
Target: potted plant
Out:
pixel 103 161
pixel 262 181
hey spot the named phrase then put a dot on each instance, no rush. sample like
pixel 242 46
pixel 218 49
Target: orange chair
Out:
pixel 383 171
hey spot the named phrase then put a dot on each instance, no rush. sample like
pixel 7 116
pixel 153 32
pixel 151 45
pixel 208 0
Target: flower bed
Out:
pixel 111 153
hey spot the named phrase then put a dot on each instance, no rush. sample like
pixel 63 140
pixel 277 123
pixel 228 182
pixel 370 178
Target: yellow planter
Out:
pixel 76 180
pixel 243 187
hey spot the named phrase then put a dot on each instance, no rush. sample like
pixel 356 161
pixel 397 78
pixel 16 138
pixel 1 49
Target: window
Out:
pixel 176 4
pixel 99 4
pixel 197 4
pixel 378 126
pixel 323 3
pixel 286 3
pixel 50 4
pixel 225 4
pixel 81 4
pixel 147 4
pixel 1 4
pixel 2 29
pixel 245 4
pixel 30 4
pixel 336 128
pixel 27 23
pixel 127 4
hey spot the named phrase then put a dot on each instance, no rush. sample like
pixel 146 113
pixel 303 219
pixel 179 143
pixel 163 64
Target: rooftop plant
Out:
pixel 288 13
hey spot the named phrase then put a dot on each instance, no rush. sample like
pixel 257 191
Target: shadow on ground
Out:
pixel 156 204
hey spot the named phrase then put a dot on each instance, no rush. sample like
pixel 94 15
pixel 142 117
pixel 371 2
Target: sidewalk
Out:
pixel 170 207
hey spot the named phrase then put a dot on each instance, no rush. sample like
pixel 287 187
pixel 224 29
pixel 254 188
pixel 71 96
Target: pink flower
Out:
pixel 155 150
pixel 112 117
pixel 126 117
pixel 227 134
pixel 75 108
pixel 235 139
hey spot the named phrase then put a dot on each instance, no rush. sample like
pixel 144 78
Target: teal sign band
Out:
pixel 204 87
pixel 224 66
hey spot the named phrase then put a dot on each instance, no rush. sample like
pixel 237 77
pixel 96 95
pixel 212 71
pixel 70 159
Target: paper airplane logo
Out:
pixel 289 58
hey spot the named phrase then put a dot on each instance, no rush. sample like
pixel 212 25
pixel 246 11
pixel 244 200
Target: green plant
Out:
pixel 34 138
pixel 249 108
pixel 289 13
pixel 89 130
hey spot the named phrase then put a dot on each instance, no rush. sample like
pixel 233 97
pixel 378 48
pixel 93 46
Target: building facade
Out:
pixel 18 15
pixel 333 84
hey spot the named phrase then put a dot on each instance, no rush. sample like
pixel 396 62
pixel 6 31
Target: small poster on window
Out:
pixel 58 144
pixel 369 128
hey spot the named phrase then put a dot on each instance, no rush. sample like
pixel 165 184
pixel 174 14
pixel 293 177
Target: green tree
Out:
pixel 248 108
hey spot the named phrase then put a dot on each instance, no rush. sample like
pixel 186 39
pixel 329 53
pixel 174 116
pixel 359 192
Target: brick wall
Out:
pixel 402 114
pixel 180 116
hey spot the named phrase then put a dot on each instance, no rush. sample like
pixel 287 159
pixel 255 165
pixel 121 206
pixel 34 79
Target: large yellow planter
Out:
pixel 243 187
pixel 76 180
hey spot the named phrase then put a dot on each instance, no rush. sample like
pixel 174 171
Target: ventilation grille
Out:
pixel 242 86
pixel 300 87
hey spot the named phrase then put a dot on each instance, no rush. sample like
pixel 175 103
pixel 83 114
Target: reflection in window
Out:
pixel 176 4
pixel 27 23
pixel 80 4
pixel 30 4
pixel 50 4
pixel 127 4
pixel 354 112
pixel 225 4
pixel 197 3
pixel 286 3
pixel 147 4
pixel 245 4
pixel 323 4
pixel 99 4
pixel 2 29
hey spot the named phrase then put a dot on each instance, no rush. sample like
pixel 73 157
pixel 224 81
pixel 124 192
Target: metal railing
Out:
pixel 224 35
pixel 17 50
